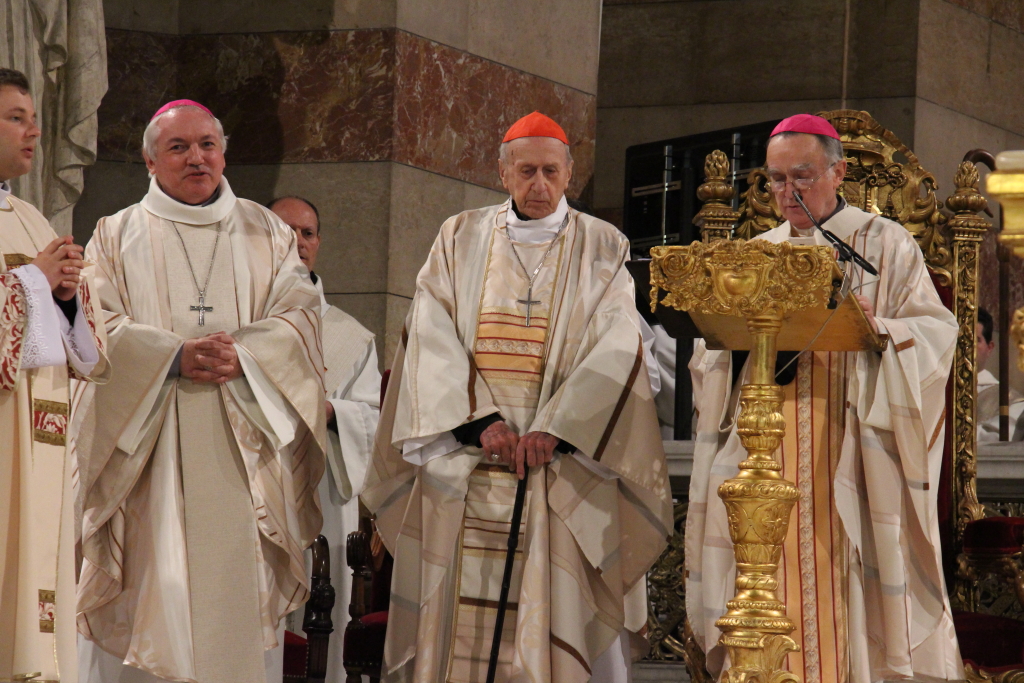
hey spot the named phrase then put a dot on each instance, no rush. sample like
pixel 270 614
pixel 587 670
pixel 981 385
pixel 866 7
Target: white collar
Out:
pixel 5 192
pixel 319 284
pixel 163 205
pixel 537 230
pixel 986 379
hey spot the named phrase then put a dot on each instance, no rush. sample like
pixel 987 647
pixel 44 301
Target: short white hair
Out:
pixel 503 152
pixel 153 131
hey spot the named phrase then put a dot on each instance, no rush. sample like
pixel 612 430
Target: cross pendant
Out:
pixel 203 309
pixel 529 303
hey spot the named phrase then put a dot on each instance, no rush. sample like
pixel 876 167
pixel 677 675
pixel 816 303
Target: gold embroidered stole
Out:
pixel 814 556
pixel 510 357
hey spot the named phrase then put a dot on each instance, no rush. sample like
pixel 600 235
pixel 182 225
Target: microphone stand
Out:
pixel 846 252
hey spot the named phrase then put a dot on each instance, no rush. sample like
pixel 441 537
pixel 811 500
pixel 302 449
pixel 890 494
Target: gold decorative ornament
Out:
pixel 761 282
pixel 967 230
pixel 716 217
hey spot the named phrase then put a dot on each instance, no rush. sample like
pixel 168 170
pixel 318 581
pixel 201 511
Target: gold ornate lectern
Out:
pixel 763 297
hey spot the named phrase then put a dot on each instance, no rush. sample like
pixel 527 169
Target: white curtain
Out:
pixel 61 47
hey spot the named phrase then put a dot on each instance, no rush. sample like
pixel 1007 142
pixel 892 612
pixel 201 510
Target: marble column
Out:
pixel 385 113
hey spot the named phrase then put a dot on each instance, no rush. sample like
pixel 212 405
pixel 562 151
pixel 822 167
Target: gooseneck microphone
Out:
pixel 846 252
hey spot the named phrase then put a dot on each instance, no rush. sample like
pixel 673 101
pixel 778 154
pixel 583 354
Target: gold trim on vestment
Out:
pixel 53 407
pixel 16 260
pixel 43 436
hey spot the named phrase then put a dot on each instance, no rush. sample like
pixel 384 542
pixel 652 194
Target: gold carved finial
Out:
pixel 967 199
pixel 716 217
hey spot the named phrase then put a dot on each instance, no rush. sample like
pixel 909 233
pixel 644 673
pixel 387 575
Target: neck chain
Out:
pixel 529 301
pixel 202 308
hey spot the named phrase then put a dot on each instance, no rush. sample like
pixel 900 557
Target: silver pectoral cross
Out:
pixel 529 303
pixel 203 309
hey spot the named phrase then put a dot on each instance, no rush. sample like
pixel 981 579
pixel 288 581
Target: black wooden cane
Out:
pixel 506 578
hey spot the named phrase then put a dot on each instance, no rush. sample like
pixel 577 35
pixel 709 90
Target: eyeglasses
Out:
pixel 800 184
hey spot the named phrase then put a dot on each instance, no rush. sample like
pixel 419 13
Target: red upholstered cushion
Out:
pixel 364 645
pixel 989 641
pixel 994 535
pixel 375 619
pixel 295 649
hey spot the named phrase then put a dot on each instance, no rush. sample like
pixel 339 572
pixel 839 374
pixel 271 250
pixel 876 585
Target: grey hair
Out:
pixel 153 130
pixel 503 153
pixel 832 148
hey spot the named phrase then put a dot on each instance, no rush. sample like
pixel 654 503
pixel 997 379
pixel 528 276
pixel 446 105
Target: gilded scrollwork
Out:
pixel 967 229
pixel 1017 335
pixel 741 278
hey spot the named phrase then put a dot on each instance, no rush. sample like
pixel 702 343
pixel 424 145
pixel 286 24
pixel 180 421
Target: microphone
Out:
pixel 846 252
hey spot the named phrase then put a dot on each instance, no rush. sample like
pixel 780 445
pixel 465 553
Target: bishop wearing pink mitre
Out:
pixel 861 570
pixel 522 349
pixel 200 460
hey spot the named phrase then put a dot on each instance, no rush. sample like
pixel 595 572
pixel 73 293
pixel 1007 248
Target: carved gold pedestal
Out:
pixel 759 501
pixel 765 284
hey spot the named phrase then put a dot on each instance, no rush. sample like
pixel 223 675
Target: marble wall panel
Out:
pixel 330 96
pixel 656 54
pixel 971 64
pixel 555 39
pixel 452 109
pixel 397 310
pixel 142 74
pixel 283 97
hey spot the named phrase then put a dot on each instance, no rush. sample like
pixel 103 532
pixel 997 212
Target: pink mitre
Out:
pixel 180 103
pixel 806 123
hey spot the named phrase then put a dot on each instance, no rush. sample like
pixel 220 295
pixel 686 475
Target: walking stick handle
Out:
pixel 506 578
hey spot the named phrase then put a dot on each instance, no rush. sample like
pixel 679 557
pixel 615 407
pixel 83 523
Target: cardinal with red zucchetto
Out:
pixel 521 352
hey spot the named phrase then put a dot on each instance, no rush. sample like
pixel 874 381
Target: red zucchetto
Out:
pixel 806 123
pixel 536 125
pixel 180 103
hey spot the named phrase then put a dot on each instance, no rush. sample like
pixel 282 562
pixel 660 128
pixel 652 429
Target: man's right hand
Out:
pixel 499 439
pixel 61 262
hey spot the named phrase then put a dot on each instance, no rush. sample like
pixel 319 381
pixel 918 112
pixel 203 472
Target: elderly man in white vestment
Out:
pixel 861 571
pixel 522 349
pixel 353 406
pixel 50 330
pixel 199 462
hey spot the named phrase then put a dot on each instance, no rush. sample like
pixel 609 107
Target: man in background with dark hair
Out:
pixel 988 388
pixel 352 380
pixel 48 331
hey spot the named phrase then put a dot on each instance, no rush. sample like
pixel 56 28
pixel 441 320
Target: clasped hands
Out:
pixel 533 449
pixel 211 359
pixel 61 262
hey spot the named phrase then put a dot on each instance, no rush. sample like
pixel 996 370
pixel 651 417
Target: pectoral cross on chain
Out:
pixel 203 309
pixel 529 303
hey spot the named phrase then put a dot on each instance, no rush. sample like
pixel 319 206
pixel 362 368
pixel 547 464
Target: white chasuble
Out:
pixel 197 500
pixel 861 569
pixel 37 567
pixel 594 521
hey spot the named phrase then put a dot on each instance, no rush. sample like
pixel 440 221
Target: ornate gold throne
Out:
pixel 885 177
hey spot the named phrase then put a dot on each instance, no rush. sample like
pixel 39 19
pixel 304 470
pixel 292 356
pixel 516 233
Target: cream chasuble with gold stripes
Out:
pixel 37 540
pixel 198 499
pixel 861 571
pixel 594 521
